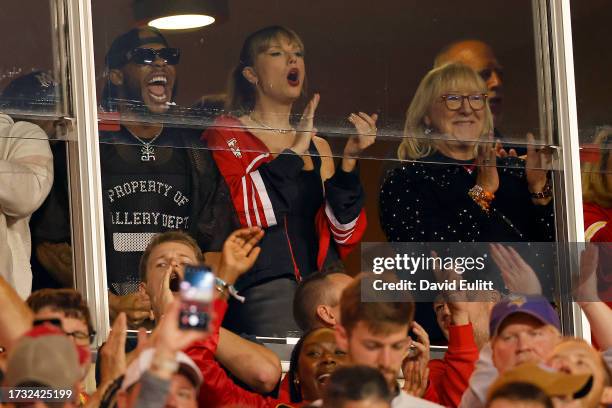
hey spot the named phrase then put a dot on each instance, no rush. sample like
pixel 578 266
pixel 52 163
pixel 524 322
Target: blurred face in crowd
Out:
pixel 75 328
pixel 522 338
pixel 182 394
pixel 576 357
pixel 153 84
pixel 384 351
pixel 459 114
pixel 479 317
pixel 319 358
pixel 479 56
pixel 443 316
pixel 279 71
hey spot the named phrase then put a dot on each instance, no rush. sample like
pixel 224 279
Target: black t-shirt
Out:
pixel 141 199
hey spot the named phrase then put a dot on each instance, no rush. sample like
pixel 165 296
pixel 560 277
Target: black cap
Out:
pixel 137 37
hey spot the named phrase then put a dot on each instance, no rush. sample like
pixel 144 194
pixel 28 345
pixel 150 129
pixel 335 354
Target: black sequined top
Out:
pixel 427 201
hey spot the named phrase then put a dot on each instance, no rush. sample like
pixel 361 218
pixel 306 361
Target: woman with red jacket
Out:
pixel 597 206
pixel 283 179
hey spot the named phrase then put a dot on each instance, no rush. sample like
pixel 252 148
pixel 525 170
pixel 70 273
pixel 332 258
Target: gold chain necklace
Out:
pixel 268 127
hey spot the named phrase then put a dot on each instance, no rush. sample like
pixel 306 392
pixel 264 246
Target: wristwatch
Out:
pixel 545 193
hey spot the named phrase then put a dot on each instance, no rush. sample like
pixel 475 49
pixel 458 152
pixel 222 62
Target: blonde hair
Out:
pixel 595 188
pixel 416 144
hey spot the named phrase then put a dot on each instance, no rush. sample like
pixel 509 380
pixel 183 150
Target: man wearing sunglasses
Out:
pixel 155 176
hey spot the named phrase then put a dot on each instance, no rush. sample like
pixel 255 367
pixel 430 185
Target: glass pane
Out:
pixel 592 63
pixel 31 74
pixel 34 206
pixel 166 111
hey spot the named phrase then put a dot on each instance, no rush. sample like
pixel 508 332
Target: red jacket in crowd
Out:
pixel 218 390
pixel 449 377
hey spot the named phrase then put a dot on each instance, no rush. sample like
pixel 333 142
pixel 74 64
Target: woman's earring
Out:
pixel 428 131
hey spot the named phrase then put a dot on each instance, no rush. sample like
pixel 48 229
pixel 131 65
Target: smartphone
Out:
pixel 197 294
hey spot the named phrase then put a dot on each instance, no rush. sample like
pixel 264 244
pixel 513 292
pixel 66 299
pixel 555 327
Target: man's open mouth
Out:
pixel 157 88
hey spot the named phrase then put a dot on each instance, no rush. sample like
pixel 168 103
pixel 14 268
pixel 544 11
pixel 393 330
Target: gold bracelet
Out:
pixel 481 197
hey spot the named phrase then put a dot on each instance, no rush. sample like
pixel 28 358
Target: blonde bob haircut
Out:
pixel 453 76
pixel 595 188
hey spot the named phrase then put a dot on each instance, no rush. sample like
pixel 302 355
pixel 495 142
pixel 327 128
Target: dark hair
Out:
pixel 355 383
pixel 295 391
pixel 168 236
pixel 313 291
pixel 521 391
pixel 379 317
pixel 37 91
pixel 68 301
pixel 241 94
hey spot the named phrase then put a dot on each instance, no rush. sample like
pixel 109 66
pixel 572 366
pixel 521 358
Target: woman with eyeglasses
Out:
pixel 282 178
pixel 451 186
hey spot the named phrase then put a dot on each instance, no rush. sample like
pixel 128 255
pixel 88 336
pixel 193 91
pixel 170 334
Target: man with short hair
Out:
pixel 68 307
pixel 523 328
pixel 155 177
pixel 375 334
pixel 317 300
pixel 356 386
pixel 162 269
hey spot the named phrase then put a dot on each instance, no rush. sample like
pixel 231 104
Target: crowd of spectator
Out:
pixel 259 199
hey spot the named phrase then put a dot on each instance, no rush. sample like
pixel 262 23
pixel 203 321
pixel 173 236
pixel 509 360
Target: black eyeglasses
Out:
pixel 454 102
pixel 147 56
pixel 79 335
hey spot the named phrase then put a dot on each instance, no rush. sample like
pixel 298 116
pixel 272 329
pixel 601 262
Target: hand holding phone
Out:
pixel 197 294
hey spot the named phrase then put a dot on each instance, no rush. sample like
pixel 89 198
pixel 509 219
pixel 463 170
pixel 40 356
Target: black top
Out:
pixel 180 190
pixel 428 201
pixel 290 247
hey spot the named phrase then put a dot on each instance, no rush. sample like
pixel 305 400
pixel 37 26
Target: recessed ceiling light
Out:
pixel 182 22
pixel 180 14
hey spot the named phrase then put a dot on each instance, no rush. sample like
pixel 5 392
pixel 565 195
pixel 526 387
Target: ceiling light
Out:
pixel 180 14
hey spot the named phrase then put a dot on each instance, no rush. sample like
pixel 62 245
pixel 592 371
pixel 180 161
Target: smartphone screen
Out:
pixel 197 294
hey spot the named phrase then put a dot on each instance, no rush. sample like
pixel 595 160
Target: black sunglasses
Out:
pixel 147 56
pixel 58 323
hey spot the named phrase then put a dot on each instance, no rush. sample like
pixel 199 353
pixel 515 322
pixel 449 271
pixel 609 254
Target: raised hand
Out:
pixel 112 355
pixel 240 251
pixel 305 130
pixel 487 178
pixel 518 276
pixel 163 295
pixel 169 337
pixel 586 290
pixel 366 133
pixel 502 153
pixel 136 306
pixel 414 366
